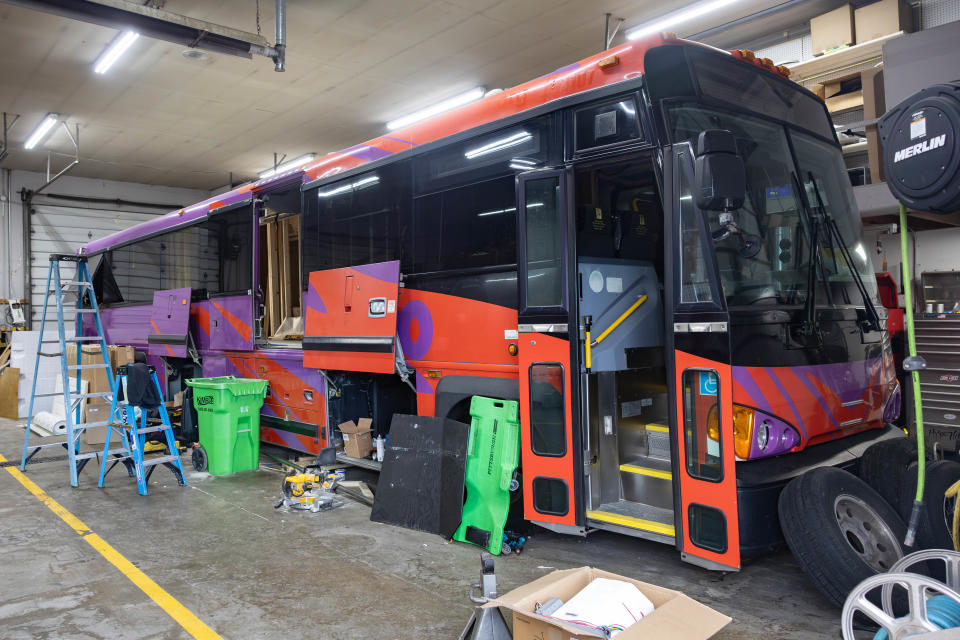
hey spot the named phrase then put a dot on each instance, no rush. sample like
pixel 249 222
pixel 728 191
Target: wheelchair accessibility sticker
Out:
pixel 708 383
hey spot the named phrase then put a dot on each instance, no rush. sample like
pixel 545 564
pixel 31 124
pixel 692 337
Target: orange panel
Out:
pixel 719 495
pixel 541 348
pixel 344 331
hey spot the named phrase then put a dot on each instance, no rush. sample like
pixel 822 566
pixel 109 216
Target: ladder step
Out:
pixel 84 338
pixel 49 355
pixel 75 283
pixel 87 425
pixel 37 447
pixel 159 460
pixel 98 394
pixel 76 367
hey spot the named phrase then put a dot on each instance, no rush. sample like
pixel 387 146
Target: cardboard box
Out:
pixel 9 382
pixel 881 19
pixel 357 437
pixel 874 106
pixel 675 615
pixel 842 93
pixel 97 378
pixel 832 29
pixel 97 435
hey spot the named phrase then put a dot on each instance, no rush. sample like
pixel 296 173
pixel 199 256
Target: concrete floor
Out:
pixel 249 571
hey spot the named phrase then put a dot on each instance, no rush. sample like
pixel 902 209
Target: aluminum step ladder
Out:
pixel 133 436
pixel 82 287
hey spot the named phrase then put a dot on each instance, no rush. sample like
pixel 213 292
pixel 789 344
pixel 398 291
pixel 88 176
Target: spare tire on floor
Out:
pixel 839 529
pixel 935 529
pixel 883 465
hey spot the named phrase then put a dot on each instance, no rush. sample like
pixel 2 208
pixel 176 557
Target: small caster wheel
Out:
pixel 199 458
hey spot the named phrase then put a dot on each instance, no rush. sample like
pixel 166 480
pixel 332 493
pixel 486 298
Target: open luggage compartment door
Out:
pixel 352 318
pixel 169 323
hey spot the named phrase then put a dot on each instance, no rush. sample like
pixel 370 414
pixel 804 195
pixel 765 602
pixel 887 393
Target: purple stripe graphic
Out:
pixel 366 153
pixel 793 406
pixel 385 271
pixel 398 140
pixel 742 375
pixel 314 301
pixel 802 375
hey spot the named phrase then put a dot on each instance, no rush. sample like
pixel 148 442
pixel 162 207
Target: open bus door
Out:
pixel 550 443
pixel 351 322
pixel 231 312
pixel 701 382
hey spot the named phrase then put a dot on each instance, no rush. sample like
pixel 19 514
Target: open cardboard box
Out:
pixel 357 437
pixel 675 615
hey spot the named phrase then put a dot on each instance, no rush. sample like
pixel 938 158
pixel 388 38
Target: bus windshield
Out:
pixel 773 216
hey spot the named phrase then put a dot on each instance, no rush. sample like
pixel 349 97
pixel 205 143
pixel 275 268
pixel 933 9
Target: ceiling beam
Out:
pixel 166 25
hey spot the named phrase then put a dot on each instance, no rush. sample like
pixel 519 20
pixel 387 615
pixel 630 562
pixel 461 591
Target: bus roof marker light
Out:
pixel 697 10
pixel 438 108
pixel 498 145
pixel 42 130
pixel 287 166
pixel 113 52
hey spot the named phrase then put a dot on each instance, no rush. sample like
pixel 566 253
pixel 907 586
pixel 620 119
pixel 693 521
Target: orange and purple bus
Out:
pixel 654 250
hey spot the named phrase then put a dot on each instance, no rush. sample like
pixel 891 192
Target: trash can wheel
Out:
pixel 199 458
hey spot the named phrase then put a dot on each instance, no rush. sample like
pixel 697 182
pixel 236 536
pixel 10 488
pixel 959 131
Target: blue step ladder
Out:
pixel 82 287
pixel 133 436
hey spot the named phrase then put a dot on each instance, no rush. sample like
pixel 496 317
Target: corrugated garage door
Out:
pixel 55 228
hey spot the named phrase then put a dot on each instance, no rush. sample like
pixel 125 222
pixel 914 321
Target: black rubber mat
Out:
pixel 421 482
pixel 16 463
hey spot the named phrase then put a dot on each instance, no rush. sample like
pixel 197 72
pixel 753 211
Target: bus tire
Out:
pixel 839 529
pixel 883 466
pixel 935 529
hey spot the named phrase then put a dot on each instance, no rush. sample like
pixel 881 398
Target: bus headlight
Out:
pixel 763 435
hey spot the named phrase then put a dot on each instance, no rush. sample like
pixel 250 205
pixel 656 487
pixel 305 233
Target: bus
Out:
pixel 655 250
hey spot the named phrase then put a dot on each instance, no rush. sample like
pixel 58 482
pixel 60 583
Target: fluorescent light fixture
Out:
pixel 439 107
pixel 116 49
pixel 359 184
pixel 495 212
pixel 672 20
pixel 286 166
pixel 42 130
pixel 498 145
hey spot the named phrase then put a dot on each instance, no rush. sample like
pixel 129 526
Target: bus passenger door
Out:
pixel 701 387
pixel 351 322
pixel 550 445
pixel 231 309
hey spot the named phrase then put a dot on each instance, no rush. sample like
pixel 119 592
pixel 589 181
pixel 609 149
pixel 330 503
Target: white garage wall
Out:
pixel 62 225
pixel 937 250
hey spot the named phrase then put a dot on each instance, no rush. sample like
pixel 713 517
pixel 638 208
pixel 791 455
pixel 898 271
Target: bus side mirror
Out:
pixel 720 175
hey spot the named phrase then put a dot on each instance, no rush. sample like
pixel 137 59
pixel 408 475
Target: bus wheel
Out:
pixel 935 530
pixel 883 466
pixel 839 529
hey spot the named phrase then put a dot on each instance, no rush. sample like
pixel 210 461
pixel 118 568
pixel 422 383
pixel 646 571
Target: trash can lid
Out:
pixel 237 386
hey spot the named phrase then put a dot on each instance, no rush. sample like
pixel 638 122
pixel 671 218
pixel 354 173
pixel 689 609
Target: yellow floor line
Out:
pixel 646 471
pixel 657 427
pixel 183 616
pixel 633 523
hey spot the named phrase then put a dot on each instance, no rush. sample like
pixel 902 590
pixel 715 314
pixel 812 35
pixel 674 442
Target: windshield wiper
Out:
pixel 873 318
pixel 810 325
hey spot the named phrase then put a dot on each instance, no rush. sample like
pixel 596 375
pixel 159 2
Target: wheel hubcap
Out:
pixel 866 533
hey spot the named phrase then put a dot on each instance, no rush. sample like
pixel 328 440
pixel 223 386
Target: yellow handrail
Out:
pixel 616 323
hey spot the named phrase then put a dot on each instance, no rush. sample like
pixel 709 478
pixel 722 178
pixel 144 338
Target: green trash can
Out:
pixel 228 411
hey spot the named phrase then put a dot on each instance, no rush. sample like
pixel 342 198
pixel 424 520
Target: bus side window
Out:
pixel 694 269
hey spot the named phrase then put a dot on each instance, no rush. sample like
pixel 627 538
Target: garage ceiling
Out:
pixel 160 118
